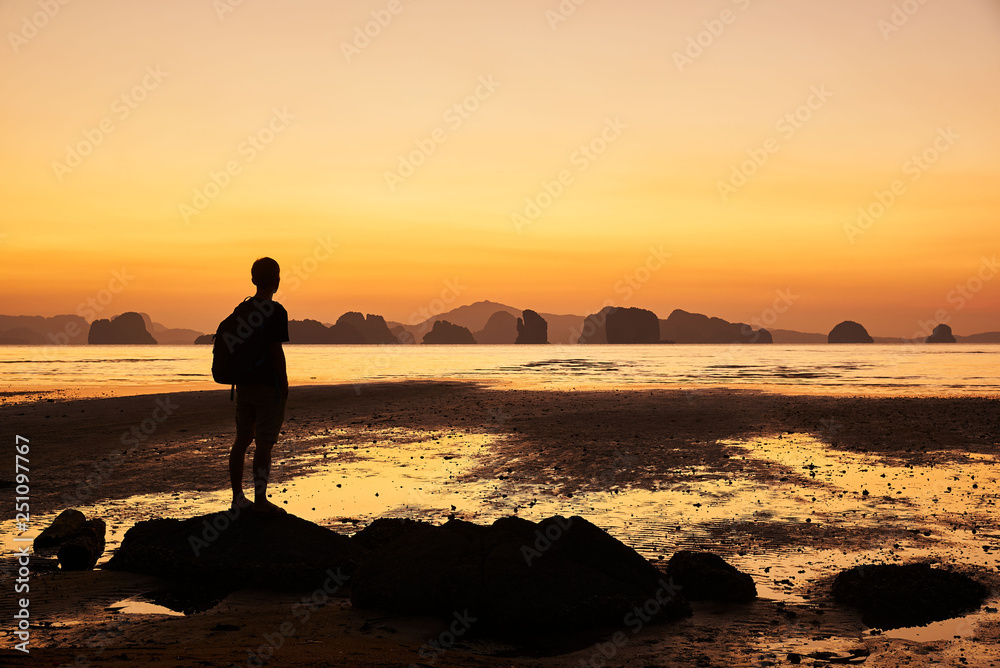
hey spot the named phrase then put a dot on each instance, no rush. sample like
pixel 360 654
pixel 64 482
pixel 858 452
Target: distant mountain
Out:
pixel 849 332
pixel 350 328
pixel 987 337
pixel 683 327
pixel 561 328
pixel 783 336
pixel 941 334
pixel 37 330
pixel 446 332
pixel 501 328
pixel 169 335
pixel 126 329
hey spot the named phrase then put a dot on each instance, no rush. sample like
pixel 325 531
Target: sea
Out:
pixel 895 369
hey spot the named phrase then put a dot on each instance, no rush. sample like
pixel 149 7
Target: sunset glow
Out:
pixel 535 156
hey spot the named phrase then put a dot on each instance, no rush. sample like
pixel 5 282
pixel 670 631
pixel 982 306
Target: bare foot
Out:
pixel 268 508
pixel 240 503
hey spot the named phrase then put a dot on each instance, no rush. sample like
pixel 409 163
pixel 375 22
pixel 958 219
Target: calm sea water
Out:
pixel 829 369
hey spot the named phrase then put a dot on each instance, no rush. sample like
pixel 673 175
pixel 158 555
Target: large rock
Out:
pixel 309 331
pixel 125 329
pixel 223 552
pixel 849 332
pixel 515 577
pixel 66 524
pixel 353 327
pixel 892 595
pixel 501 328
pixel 445 332
pixel 705 576
pixel 82 550
pixel 532 328
pixel 594 327
pixel 632 325
pixel 941 334
pixel 683 327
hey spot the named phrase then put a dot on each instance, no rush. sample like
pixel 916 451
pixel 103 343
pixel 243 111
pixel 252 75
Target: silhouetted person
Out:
pixel 260 403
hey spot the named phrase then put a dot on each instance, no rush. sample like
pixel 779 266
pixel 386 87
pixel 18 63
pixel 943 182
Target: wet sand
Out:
pixel 790 489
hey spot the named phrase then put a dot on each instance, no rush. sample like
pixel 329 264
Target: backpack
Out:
pixel 237 346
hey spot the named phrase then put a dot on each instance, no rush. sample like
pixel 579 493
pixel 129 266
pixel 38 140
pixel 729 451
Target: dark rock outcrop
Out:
pixel 309 331
pixel 501 328
pixel 81 551
pixel 941 334
pixel 594 330
pixel 213 555
pixel 532 328
pixel 849 332
pixel 125 329
pixel 353 327
pixel 515 577
pixel 704 576
pixel 403 335
pixel 445 332
pixel 683 327
pixel 892 595
pixel 66 524
pixel 632 325
pixel 209 338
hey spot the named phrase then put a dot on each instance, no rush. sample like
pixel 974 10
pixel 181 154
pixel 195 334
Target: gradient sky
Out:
pixel 322 178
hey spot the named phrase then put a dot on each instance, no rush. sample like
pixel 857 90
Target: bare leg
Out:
pixel 236 457
pixel 261 473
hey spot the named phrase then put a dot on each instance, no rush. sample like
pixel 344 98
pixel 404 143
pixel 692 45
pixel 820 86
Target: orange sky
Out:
pixel 306 134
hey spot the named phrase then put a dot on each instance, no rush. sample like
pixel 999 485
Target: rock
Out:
pixel 892 595
pixel 849 332
pixel 36 330
pixel 222 552
pixel 532 328
pixel 632 325
pixel 683 327
pixel 516 578
pixel 209 339
pixel 352 327
pixel 594 330
pixel 125 329
pixel 403 335
pixel 704 576
pixel 65 525
pixel 501 328
pixel 445 332
pixel 81 551
pixel 310 332
pixel 941 334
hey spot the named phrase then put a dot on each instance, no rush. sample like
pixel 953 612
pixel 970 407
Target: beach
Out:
pixel 788 488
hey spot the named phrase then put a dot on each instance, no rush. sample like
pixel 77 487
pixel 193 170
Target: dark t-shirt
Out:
pixel 273 329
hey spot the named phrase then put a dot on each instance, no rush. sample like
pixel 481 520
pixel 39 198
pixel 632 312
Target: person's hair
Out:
pixel 264 272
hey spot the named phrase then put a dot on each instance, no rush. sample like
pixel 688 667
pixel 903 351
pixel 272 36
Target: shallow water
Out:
pixel 792 536
pixel 900 369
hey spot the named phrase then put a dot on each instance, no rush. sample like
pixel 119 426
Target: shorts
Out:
pixel 259 412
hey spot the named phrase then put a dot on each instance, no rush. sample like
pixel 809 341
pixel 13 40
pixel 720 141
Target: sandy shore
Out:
pixel 789 489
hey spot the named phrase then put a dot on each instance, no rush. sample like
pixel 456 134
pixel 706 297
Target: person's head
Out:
pixel 265 274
